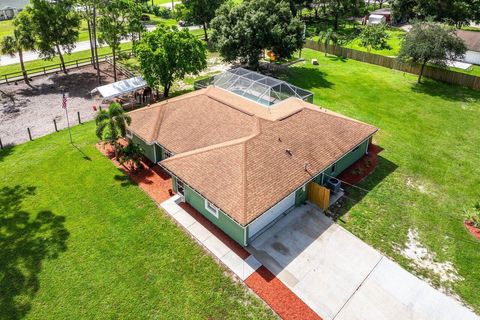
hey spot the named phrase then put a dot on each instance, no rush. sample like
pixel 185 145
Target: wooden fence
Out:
pixel 439 74
pixel 55 67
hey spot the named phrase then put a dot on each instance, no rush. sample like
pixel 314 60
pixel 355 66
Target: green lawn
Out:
pixel 427 174
pixel 80 241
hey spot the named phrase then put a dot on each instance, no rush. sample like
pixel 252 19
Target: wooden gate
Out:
pixel 318 195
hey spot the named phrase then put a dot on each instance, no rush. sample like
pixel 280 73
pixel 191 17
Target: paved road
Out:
pixel 341 277
pixel 80 46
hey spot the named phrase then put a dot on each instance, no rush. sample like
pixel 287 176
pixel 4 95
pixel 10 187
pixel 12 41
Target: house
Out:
pixel 7 13
pixel 378 16
pixel 243 157
pixel 472 41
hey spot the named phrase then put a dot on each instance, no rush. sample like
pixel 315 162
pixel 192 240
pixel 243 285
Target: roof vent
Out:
pixel 289 152
pixel 305 167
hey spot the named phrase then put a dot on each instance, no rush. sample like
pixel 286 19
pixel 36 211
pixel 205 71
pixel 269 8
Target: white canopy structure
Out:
pixel 119 88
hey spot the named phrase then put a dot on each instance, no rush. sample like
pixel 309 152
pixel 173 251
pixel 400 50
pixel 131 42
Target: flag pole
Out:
pixel 64 105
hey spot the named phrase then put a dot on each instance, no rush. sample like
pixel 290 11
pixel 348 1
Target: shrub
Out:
pixel 473 215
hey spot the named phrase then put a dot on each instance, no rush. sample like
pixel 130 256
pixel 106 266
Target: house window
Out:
pixel 211 208
pixel 334 167
pixel 356 149
pixel 180 188
pixel 166 154
pixel 304 188
pixel 129 134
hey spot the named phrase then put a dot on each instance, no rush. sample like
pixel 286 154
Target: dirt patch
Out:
pixel 35 106
pixel 420 257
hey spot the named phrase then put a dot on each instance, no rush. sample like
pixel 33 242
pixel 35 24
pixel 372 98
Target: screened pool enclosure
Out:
pixel 255 86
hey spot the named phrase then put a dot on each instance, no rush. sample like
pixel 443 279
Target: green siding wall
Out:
pixel 346 161
pixel 159 151
pixel 147 149
pixel 300 197
pixel 224 222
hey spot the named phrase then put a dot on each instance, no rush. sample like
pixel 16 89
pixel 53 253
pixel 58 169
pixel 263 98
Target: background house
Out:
pixel 472 41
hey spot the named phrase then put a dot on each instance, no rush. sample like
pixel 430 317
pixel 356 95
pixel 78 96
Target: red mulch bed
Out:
pixel 235 247
pixel 474 231
pixel 281 299
pixel 151 179
pixel 363 167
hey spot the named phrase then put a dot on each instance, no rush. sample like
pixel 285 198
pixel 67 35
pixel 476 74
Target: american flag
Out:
pixel 64 101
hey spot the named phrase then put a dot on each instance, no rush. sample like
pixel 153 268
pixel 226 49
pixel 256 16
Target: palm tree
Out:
pixel 21 40
pixel 328 36
pixel 112 125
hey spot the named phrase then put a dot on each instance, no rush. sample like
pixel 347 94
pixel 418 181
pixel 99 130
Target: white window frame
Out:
pixel 304 187
pixel 129 134
pixel 211 208
pixel 183 185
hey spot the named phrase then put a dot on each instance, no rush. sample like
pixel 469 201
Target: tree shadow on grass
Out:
pixel 6 151
pixel 305 77
pixel 26 240
pixel 124 180
pixel 354 195
pixel 446 91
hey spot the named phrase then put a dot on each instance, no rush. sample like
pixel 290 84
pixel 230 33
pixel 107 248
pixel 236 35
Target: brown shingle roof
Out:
pixel 471 39
pixel 191 121
pixel 246 176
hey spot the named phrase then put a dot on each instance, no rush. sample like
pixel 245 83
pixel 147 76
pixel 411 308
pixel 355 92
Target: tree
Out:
pixel 21 40
pixel 55 27
pixel 112 125
pixel 328 36
pixel 89 14
pixel 167 54
pixel 340 9
pixel 454 12
pixel 242 32
pixel 374 36
pixel 202 12
pixel 116 20
pixel 430 42
pixel 132 154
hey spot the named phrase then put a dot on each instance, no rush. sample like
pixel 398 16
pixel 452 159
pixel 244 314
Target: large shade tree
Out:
pixel 455 12
pixel 88 11
pixel 202 12
pixel 168 54
pixel 116 20
pixel 55 27
pixel 21 40
pixel 431 42
pixel 242 32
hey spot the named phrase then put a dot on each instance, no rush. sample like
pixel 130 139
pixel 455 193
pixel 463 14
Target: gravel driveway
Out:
pixel 35 107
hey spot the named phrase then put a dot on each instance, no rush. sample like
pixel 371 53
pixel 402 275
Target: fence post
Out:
pixel 1 144
pixel 78 116
pixel 29 134
pixel 55 124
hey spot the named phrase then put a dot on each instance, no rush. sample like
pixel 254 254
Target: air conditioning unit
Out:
pixel 334 185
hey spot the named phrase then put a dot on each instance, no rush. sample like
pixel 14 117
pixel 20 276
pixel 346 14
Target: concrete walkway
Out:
pixel 341 277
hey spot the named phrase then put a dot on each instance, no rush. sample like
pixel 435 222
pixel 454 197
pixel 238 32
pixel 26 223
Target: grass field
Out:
pixel 427 174
pixel 79 241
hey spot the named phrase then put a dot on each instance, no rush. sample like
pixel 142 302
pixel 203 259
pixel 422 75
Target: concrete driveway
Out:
pixel 341 277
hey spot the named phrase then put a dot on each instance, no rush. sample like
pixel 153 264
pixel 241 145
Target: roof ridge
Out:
pixel 257 131
pixel 331 113
pixel 159 121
